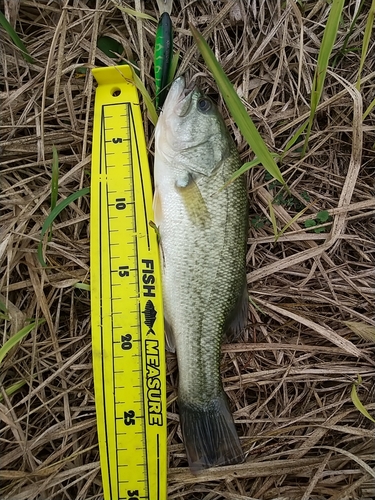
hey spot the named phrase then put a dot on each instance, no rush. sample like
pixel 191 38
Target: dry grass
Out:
pixel 290 376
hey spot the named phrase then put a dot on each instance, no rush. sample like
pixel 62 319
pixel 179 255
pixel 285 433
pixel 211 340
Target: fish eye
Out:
pixel 204 104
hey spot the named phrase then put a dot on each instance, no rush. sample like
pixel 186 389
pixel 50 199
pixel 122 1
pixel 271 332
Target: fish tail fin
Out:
pixel 209 434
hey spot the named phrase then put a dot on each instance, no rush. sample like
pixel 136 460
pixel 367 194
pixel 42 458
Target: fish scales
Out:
pixel 203 230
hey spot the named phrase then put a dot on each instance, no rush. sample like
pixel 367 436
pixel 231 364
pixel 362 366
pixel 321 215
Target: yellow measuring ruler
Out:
pixel 126 298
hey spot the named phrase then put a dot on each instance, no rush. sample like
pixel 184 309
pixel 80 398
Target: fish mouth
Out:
pixel 181 95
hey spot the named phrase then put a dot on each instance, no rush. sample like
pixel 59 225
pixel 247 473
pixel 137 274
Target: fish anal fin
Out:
pixel 209 434
pixel 169 339
pixel 238 318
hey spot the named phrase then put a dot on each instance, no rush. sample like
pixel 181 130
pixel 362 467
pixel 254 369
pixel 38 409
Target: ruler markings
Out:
pixel 137 284
pixel 132 168
pixel 117 313
pixel 158 464
pixel 143 401
pixel 111 319
pixel 102 136
pixel 106 152
pixel 101 153
pixel 140 356
pixel 142 183
pixel 101 330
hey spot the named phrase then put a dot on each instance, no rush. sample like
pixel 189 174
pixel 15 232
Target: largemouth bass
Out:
pixel 203 230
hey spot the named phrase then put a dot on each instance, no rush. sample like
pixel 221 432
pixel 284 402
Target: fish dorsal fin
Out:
pixel 192 198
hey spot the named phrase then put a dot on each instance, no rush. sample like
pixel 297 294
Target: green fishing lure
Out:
pixel 162 57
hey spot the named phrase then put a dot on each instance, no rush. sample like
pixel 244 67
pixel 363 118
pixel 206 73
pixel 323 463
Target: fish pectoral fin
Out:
pixel 157 208
pixel 238 318
pixel 209 434
pixel 194 203
pixel 169 338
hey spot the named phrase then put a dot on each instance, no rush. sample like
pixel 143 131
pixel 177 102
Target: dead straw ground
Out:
pixel 290 376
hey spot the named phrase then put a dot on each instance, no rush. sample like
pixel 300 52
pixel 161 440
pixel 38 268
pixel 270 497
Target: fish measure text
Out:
pixel 148 278
pixel 154 401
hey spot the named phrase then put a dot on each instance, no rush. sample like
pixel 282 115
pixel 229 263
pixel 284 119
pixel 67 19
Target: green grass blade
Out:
pixel 3 307
pixel 244 168
pixel 366 41
pixel 329 37
pixel 15 38
pixel 17 337
pixel 294 138
pixel 341 53
pixel 357 402
pixel 369 109
pixel 294 219
pixel 52 216
pixel 237 109
pixel 82 286
pixel 110 47
pixel 173 66
pixel 13 388
pixel 146 96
